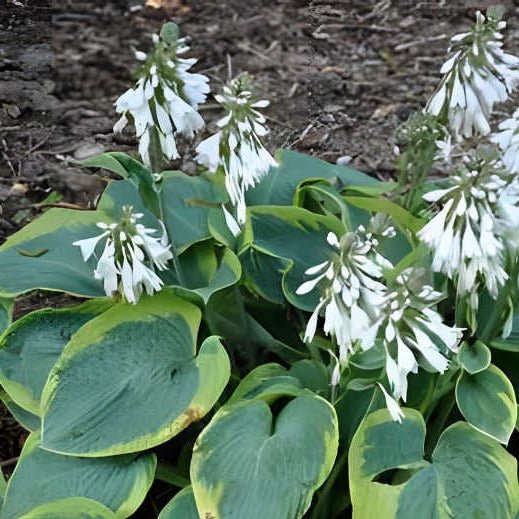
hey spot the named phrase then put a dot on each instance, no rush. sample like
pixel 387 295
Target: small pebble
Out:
pixel 344 160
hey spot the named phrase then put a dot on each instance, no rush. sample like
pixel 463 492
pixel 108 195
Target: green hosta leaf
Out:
pixel 268 383
pixel 219 229
pixel 324 198
pixel 487 401
pixel 352 406
pixel 227 316
pixel 116 162
pixel 272 467
pixel 474 357
pixel 312 375
pixel 511 343
pixel 297 236
pixel 182 506
pixel 134 365
pixel 470 474
pixel 187 202
pixel 6 313
pixel 131 169
pixel 207 269
pixel 400 216
pixel 280 185
pixel 264 274
pixel 3 487
pixel 32 345
pixel 41 477
pixel 75 507
pixel 380 445
pixel 41 255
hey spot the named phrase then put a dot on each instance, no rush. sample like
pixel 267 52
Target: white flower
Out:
pixel 392 405
pixel 129 257
pixel 444 149
pixel 508 140
pixel 164 100
pixel 411 326
pixel 353 295
pixel 336 373
pixel 236 148
pixel 478 220
pixel 478 75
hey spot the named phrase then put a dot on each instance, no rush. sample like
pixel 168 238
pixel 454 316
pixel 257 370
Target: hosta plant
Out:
pixel 276 336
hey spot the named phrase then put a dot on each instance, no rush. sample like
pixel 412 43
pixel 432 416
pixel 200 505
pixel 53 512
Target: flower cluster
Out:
pixel 478 75
pixel 353 296
pixel 479 219
pixel 165 98
pixel 129 258
pixel 236 148
pixel 361 310
pixel 508 140
pixel 411 326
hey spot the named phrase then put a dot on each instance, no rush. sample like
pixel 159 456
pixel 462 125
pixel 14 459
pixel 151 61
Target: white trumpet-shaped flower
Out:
pixel 353 295
pixel 479 218
pixel 129 258
pixel 236 148
pixel 165 99
pixel 478 75
pixel 392 405
pixel 414 332
pixel 508 140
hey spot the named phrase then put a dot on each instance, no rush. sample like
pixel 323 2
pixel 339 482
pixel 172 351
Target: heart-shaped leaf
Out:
pixel 246 463
pixel 182 506
pixel 134 365
pixel 119 483
pixel 487 401
pixel 32 345
pixel 470 475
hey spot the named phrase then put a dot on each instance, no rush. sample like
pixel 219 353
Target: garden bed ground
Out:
pixel 341 75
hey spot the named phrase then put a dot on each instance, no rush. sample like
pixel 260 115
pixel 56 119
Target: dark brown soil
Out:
pixel 341 75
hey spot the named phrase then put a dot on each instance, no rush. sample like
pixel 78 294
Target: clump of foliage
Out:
pixel 298 337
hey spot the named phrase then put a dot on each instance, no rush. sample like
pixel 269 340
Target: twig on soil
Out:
pixel 10 461
pixel 349 26
pixel 7 159
pixel 43 205
pixel 293 90
pixel 247 48
pixel 421 41
pixel 229 66
pixel 278 122
pixel 41 143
